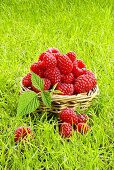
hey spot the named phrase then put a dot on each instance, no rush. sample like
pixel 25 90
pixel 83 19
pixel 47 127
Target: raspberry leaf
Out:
pixel 28 102
pixel 37 82
pixel 46 98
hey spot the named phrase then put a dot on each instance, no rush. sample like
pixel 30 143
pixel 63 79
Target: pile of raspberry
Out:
pixel 65 70
pixel 69 123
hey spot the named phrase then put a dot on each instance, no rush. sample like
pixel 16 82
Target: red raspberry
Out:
pixel 78 68
pixel 65 64
pixel 85 83
pixel 82 118
pixel 65 130
pixel 89 72
pixel 47 84
pixel 82 128
pixel 36 68
pixel 79 63
pixel 71 55
pixel 41 57
pixel 56 55
pixel 69 78
pixel 53 74
pixel 77 71
pixel 22 133
pixel 26 81
pixel 66 89
pixel 47 61
pixel 35 89
pixel 53 50
pixel 68 115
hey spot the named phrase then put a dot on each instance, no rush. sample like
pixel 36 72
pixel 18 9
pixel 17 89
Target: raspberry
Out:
pixel 82 128
pixel 35 89
pixel 26 81
pixel 69 78
pixel 78 68
pixel 56 55
pixel 37 69
pixel 47 84
pixel 85 83
pixel 66 89
pixel 65 64
pixel 80 63
pixel 41 57
pixel 71 55
pixel 53 50
pixel 89 72
pixel 53 74
pixel 68 115
pixel 65 130
pixel 22 133
pixel 77 71
pixel 47 60
pixel 82 118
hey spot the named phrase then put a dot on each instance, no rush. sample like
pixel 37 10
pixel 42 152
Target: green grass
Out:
pixel 27 29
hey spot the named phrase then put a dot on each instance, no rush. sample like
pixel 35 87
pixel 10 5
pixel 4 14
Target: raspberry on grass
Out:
pixel 53 50
pixel 65 130
pixel 36 68
pixel 69 78
pixel 65 64
pixel 79 68
pixel 68 115
pixel 82 118
pixel 71 55
pixel 26 81
pixel 82 128
pixel 47 60
pixel 66 89
pixel 85 83
pixel 47 85
pixel 22 133
pixel 53 74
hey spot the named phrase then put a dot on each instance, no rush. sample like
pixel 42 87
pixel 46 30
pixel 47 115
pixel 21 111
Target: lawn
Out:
pixel 27 29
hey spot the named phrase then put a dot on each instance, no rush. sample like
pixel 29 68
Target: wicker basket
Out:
pixel 81 101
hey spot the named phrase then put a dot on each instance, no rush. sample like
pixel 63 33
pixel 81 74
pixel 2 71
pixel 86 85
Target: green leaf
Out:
pixel 28 102
pixel 46 98
pixel 37 82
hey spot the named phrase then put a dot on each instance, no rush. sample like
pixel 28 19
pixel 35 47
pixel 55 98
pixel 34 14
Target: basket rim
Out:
pixel 92 93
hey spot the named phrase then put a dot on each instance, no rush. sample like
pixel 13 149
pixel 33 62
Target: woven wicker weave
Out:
pixel 81 101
